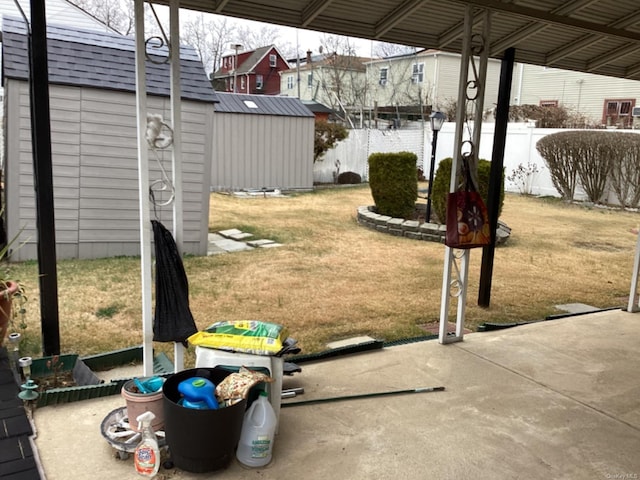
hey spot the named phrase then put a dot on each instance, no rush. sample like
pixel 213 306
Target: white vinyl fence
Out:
pixel 520 148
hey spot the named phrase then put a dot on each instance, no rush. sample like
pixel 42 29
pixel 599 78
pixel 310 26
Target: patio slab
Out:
pixel 556 399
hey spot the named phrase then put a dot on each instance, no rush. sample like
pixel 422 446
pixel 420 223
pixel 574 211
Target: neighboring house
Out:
pixel 94 142
pixel 602 100
pixel 320 111
pixel 336 81
pixel 251 72
pixel 262 142
pixel 410 86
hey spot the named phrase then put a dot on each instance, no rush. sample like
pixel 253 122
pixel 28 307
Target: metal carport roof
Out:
pixel 595 36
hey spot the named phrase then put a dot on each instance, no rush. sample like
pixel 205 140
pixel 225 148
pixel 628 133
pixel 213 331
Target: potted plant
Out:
pixel 13 297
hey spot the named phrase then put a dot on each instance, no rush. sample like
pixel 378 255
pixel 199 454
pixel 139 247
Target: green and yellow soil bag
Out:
pixel 249 336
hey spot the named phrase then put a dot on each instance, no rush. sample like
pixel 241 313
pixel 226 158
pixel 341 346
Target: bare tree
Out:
pixel 384 50
pixel 343 81
pixel 116 14
pixel 210 35
pixel 255 35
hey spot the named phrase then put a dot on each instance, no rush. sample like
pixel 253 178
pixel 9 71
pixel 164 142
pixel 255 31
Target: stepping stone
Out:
pixel 228 233
pixel 350 342
pixel 240 236
pixel 260 243
pixel 229 245
pixel 576 308
pixel 271 245
pixel 212 237
pixel 213 249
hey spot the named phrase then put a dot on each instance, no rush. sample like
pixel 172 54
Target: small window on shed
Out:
pixel 548 103
pixel 250 104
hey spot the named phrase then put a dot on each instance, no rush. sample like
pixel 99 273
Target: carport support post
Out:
pixel 143 191
pixel 176 121
pixel 456 264
pixel 43 179
pixel 495 177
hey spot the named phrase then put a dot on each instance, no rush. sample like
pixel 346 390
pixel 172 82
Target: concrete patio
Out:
pixel 557 399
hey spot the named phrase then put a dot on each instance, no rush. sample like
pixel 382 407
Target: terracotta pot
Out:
pixel 5 308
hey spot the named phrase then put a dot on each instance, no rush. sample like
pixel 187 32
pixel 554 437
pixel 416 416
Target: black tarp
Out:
pixel 172 321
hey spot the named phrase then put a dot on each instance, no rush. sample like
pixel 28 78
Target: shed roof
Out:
pixel 261 105
pixel 101 60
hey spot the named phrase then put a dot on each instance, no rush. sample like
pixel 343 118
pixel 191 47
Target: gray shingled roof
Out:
pixel 100 60
pixel 261 105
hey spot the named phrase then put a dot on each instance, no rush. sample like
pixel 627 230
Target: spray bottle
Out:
pixel 147 455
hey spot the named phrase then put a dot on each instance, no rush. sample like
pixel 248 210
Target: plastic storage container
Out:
pixel 255 448
pixel 200 440
pixel 138 403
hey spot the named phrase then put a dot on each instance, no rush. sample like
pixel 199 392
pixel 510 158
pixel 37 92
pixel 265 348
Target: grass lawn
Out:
pixel 333 279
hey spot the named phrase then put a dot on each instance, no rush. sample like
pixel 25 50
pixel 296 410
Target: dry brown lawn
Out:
pixel 334 279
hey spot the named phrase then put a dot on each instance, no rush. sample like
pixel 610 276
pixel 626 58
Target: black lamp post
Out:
pixel 436 119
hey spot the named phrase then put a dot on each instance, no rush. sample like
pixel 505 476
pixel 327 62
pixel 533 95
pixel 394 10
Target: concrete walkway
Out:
pixel 552 400
pixel 234 240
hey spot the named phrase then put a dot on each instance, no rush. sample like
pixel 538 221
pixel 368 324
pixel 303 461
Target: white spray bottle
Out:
pixel 147 456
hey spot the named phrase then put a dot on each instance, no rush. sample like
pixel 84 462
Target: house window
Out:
pixel 290 82
pixel 310 80
pixel 242 86
pixel 259 82
pixel 617 112
pixel 417 75
pixel 273 60
pixel 548 103
pixel 225 62
pixel 383 76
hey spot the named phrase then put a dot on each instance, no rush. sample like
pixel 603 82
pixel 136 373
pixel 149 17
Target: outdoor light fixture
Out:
pixel 436 119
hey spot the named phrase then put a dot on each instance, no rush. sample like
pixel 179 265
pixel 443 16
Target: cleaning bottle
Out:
pixel 255 447
pixel 147 455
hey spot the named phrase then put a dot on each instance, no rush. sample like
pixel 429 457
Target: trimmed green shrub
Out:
pixel 442 180
pixel 349 178
pixel 394 183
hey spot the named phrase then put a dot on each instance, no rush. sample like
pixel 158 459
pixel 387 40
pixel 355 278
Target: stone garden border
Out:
pixel 431 232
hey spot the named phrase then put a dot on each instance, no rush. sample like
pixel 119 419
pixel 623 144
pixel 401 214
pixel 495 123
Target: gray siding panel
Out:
pixel 261 151
pixel 95 170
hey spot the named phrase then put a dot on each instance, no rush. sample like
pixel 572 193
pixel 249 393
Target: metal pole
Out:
pixel 176 157
pixel 143 191
pixel 363 395
pixel 43 180
pixel 495 178
pixel 434 143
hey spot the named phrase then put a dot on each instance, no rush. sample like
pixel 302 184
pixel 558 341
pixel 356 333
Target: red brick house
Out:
pixel 256 72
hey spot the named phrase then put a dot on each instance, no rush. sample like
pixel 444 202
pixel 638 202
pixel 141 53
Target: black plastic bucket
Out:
pixel 200 440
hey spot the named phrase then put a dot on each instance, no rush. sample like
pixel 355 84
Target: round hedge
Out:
pixel 442 181
pixel 393 181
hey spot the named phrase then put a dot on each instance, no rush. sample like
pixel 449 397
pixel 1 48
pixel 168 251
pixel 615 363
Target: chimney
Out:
pixel 309 56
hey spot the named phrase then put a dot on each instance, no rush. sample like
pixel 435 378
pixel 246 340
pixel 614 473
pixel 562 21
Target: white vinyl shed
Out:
pixel 262 142
pixel 94 143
